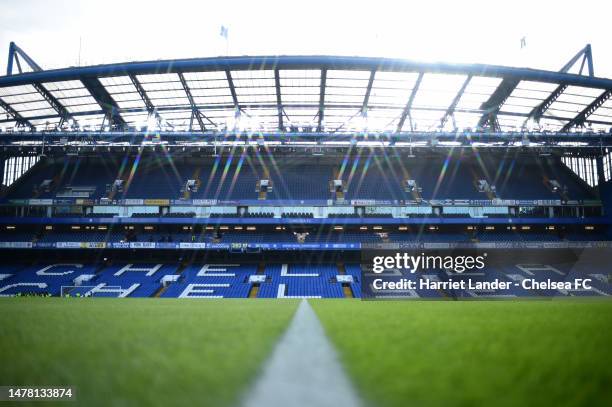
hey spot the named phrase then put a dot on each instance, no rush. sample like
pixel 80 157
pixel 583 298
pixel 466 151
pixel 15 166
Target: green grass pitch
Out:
pixel 150 352
pixel 466 353
pixel 397 353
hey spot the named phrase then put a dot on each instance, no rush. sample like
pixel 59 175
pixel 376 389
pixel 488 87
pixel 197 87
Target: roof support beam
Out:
pixel 581 118
pixel 194 109
pixel 232 89
pixel 105 100
pixel 57 106
pixel 16 58
pixel 145 98
pixel 366 98
pixel 492 106
pixel 406 111
pixel 14 52
pixel 143 94
pixel 18 118
pixel 538 111
pixel 279 102
pixel 451 109
pixel 322 99
pixel 587 56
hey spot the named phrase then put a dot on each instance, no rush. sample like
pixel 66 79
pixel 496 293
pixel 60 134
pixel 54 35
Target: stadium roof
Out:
pixel 288 93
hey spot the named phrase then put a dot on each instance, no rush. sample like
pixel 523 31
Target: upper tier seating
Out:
pixel 365 178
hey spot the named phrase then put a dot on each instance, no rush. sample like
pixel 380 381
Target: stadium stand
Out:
pixel 295 204
pixel 273 281
pixel 523 178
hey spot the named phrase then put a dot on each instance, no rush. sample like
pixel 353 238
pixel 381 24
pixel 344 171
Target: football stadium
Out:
pixel 302 230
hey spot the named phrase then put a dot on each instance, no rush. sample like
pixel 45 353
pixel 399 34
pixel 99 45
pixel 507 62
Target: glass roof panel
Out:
pixel 138 119
pixel 255 91
pixel 253 83
pixel 561 109
pixel 164 94
pixel 520 105
pixel 572 101
pixel 123 92
pixel 64 85
pixel 179 119
pixel 382 119
pixel 24 97
pixel 39 104
pixel 158 77
pixel 127 96
pixel 478 91
pixel 305 117
pixel 348 74
pixel 38 112
pixel 4 115
pixel 465 120
pixel 121 89
pixel 510 123
pixel 131 104
pixel 69 93
pixel 217 83
pixel 202 76
pixel 588 93
pixel 83 108
pixel 252 74
pixel 346 87
pixel 340 118
pixel 17 90
pixel 90 119
pixel 259 119
pixel 78 101
pixel 344 96
pixel 213 100
pixel 423 120
pixel 153 86
pixel 211 92
pixel 300 77
pixel 300 99
pixel 115 80
pixel 175 114
pixel 547 124
pixel 45 123
pixel 222 118
pixel 392 88
pixel 604 112
pixel 300 86
pixel 256 95
pixel 527 95
pixel 438 90
pixel 543 87
pixel 257 99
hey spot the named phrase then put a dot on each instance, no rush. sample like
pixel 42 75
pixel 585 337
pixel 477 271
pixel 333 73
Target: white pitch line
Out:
pixel 304 370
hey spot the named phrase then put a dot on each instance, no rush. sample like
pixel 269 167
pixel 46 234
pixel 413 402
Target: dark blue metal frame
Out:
pixel 302 62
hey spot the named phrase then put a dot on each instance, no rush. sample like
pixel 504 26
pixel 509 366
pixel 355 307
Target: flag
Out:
pixel 224 32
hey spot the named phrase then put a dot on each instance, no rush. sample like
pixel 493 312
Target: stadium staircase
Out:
pixel 124 177
pixel 195 176
pixel 162 289
pixel 255 287
pixel 346 288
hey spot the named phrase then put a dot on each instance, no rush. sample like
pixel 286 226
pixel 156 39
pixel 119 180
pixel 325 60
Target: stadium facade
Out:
pixel 270 176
